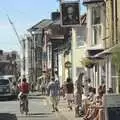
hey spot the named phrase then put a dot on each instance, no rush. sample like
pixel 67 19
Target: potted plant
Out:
pixel 88 63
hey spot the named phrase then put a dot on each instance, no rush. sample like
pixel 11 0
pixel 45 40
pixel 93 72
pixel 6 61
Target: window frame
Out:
pixel 95 16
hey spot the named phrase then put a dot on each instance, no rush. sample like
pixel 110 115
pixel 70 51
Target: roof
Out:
pixel 92 1
pixel 47 22
pixel 40 25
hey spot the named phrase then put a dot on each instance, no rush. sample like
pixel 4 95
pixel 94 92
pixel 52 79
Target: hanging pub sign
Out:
pixel 70 14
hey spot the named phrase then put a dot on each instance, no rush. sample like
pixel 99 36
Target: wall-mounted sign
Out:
pixel 70 14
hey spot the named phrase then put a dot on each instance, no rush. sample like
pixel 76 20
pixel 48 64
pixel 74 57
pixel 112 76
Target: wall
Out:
pixel 118 19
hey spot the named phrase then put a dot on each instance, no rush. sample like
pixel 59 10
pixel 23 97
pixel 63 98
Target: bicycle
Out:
pixel 24 104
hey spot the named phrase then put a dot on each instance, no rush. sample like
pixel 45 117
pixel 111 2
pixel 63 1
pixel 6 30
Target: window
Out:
pixel 80 41
pixel 4 82
pixel 96 15
pixel 96 34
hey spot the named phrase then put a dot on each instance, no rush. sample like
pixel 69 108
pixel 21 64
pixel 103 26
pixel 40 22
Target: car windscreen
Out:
pixel 4 81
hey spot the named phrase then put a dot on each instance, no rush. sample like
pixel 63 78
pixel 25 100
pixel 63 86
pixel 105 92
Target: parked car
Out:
pixel 6 88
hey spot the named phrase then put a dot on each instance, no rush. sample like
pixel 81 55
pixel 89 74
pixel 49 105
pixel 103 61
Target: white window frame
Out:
pixel 93 15
pixel 78 41
pixel 96 26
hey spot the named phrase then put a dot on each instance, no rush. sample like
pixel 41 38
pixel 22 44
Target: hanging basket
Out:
pixel 88 63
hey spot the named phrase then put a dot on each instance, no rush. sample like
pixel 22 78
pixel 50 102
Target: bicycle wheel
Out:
pixel 26 107
pixel 21 108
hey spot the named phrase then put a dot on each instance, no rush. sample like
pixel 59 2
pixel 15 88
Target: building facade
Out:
pixel 9 63
pixel 96 30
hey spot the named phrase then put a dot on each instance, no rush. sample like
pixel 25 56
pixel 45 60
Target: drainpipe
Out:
pixel 115 20
pixel 52 60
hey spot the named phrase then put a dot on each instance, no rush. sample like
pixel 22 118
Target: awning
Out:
pixel 92 1
pixel 92 52
pixel 107 51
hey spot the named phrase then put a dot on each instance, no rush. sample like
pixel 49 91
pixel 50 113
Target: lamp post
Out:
pixel 68 65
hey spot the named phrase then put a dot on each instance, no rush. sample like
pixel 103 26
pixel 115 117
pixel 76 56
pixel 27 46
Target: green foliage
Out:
pixel 87 62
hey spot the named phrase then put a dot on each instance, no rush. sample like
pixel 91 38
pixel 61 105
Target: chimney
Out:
pixel 1 52
pixel 55 16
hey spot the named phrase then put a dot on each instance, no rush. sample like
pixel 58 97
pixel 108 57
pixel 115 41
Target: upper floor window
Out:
pixel 96 30
pixel 96 15
pixel 80 41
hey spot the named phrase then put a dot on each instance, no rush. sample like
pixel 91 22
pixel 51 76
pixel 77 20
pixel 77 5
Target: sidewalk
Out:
pixel 64 113
pixel 35 93
pixel 63 110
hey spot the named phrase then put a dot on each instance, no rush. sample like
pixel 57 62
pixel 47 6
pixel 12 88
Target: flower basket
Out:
pixel 88 63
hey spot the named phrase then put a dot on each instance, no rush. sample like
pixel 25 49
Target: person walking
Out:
pixel 69 92
pixel 53 89
pixel 43 87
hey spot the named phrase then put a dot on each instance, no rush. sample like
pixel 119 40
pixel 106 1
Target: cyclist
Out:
pixel 24 88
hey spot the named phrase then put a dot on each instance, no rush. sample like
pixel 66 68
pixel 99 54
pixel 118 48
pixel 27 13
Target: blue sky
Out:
pixel 24 14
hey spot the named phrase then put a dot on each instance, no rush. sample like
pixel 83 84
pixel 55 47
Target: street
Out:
pixel 38 110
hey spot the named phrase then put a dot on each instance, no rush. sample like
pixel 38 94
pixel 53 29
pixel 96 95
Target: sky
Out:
pixel 24 14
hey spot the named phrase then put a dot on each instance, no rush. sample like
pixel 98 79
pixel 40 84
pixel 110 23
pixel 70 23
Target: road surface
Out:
pixel 39 110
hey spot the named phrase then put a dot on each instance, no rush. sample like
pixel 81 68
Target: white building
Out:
pixel 26 57
pixel 96 18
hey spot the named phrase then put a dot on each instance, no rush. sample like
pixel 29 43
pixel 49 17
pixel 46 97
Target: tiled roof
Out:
pixel 47 22
pixel 92 1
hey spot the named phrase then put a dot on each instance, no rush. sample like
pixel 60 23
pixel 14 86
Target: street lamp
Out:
pixel 68 65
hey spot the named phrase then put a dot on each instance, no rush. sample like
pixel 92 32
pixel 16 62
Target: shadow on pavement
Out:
pixel 11 98
pixel 7 116
pixel 36 97
pixel 40 113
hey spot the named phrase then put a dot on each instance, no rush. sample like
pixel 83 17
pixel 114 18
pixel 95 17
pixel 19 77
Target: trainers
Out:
pixel 70 107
